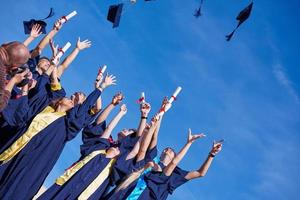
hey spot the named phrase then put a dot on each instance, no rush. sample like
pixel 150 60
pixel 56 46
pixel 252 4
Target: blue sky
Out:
pixel 246 91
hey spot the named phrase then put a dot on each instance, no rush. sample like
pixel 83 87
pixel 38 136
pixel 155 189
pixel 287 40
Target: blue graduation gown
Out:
pixel 82 179
pixel 159 186
pixel 22 117
pixel 91 138
pixel 33 62
pixel 87 174
pixel 124 167
pixel 13 117
pixel 24 174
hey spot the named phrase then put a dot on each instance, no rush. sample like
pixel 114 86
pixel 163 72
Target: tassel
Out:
pixel 51 14
pixel 228 37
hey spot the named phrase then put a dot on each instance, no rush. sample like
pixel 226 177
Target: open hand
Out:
pixel 36 31
pixel 109 80
pixel 54 48
pixel 84 44
pixel 193 138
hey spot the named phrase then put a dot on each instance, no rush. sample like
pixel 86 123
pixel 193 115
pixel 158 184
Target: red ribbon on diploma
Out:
pixel 60 49
pixel 140 100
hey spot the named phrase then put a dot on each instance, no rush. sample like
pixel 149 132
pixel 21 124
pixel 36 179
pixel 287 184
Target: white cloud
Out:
pixel 278 171
pixel 283 79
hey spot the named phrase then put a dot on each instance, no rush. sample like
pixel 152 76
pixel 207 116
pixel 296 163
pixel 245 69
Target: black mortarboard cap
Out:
pixel 29 24
pixel 198 10
pixel 114 14
pixel 242 17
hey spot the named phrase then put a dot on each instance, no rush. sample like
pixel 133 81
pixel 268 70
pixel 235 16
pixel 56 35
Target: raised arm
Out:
pixel 34 33
pixel 115 101
pixel 44 42
pixel 114 122
pixel 90 101
pixel 155 135
pixel 69 59
pixel 145 142
pixel 171 166
pixel 145 109
pixel 216 148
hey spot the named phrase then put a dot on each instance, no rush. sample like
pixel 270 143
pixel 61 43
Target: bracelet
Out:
pixel 144 117
pixel 211 155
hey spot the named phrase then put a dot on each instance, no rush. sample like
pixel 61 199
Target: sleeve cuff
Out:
pixel 55 87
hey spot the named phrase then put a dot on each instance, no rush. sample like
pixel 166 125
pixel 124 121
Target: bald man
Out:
pixel 12 56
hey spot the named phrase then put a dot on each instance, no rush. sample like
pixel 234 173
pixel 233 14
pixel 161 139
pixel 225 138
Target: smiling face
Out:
pixel 43 64
pixel 67 103
pixel 78 98
pixel 167 155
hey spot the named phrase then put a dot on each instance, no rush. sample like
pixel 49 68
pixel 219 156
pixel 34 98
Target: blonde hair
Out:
pixel 130 179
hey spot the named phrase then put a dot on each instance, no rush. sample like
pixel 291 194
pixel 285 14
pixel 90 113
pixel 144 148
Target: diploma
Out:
pixel 102 70
pixel 68 17
pixel 173 97
pixel 166 107
pixel 61 52
pixel 143 97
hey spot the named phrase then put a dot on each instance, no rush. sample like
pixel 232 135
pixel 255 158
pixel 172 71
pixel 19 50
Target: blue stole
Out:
pixel 141 184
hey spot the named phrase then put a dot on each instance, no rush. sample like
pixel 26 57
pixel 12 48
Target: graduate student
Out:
pixel 26 163
pixel 166 176
pixel 135 159
pixel 89 177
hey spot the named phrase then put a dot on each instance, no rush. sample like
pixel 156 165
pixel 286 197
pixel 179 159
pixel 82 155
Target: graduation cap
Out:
pixel 29 24
pixel 114 14
pixel 242 17
pixel 198 11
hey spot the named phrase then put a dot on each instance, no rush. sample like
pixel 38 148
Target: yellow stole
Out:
pixel 75 168
pixel 96 182
pixel 40 122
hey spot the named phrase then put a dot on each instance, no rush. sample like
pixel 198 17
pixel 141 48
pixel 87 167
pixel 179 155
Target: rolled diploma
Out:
pixel 69 16
pixel 173 97
pixel 103 69
pixel 178 89
pixel 143 97
pixel 61 53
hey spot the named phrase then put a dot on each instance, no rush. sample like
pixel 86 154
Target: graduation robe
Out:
pixel 76 185
pixel 24 174
pixel 17 116
pixel 159 186
pixel 124 167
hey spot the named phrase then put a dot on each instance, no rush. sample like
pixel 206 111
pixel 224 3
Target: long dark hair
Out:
pixel 55 103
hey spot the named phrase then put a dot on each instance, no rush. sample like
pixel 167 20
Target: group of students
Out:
pixel 37 120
